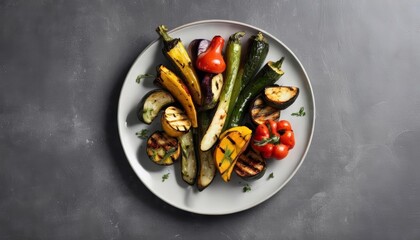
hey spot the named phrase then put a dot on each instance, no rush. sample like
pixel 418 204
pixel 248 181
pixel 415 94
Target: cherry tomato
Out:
pixel 280 151
pixel 283 125
pixel 266 150
pixel 288 138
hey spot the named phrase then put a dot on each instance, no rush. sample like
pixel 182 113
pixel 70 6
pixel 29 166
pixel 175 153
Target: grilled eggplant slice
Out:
pixel 211 87
pixel 175 122
pixel 280 97
pixel 163 149
pixel 152 103
pixel 260 111
pixel 250 165
pixel 188 160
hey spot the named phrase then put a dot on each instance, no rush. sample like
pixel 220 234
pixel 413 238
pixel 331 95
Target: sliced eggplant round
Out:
pixel 175 122
pixel 260 111
pixel 163 149
pixel 211 87
pixel 280 97
pixel 152 103
pixel 250 165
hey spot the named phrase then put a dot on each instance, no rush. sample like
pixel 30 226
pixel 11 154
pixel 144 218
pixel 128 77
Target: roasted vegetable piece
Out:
pixel 211 88
pixel 280 97
pixel 260 111
pixel 196 47
pixel 268 75
pixel 227 151
pixel 163 149
pixel 175 51
pixel 233 58
pixel 207 168
pixel 257 52
pixel 250 165
pixel 171 82
pixel 273 139
pixel 152 103
pixel 175 122
pixel 211 60
pixel 188 160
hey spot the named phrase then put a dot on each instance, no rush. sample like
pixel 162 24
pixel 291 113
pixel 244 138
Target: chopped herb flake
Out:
pixel 142 134
pixel 165 177
pixel 246 188
pixel 301 112
pixel 168 153
pixel 141 76
pixel 271 176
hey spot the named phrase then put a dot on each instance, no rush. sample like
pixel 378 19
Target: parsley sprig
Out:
pixel 301 112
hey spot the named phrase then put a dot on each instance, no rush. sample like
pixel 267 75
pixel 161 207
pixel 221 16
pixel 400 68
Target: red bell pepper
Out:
pixel 273 139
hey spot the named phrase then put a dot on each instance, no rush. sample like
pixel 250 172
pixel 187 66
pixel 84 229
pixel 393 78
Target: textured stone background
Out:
pixel 63 174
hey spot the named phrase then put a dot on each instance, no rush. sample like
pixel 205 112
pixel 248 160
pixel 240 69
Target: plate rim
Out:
pixel 312 97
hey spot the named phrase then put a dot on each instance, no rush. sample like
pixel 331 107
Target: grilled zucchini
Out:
pixel 250 165
pixel 207 169
pixel 175 122
pixel 152 103
pixel 280 97
pixel 163 149
pixel 260 111
pixel 188 160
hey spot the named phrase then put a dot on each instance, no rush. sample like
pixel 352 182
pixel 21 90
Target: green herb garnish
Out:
pixel 246 188
pixel 142 134
pixel 141 76
pixel 168 153
pixel 226 156
pixel 301 113
pixel 165 177
pixel 270 176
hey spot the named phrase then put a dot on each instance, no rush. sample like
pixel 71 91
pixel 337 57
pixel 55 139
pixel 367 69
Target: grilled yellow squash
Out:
pixel 170 81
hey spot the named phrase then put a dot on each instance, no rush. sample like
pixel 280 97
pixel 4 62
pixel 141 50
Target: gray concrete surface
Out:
pixel 63 174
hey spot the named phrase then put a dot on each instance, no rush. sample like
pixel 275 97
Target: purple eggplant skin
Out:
pixel 211 87
pixel 196 47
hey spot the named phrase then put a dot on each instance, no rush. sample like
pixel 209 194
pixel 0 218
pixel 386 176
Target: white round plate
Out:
pixel 220 197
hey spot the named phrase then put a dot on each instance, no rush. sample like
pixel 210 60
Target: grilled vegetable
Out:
pixel 227 151
pixel 257 52
pixel 167 79
pixel 196 47
pixel 175 122
pixel 260 111
pixel 280 97
pixel 273 139
pixel 211 88
pixel 188 160
pixel 175 51
pixel 163 149
pixel 207 169
pixel 268 75
pixel 233 57
pixel 211 60
pixel 250 165
pixel 152 103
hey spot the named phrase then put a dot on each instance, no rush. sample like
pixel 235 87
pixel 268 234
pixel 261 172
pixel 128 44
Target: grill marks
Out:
pixel 175 122
pixel 260 111
pixel 250 164
pixel 162 148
